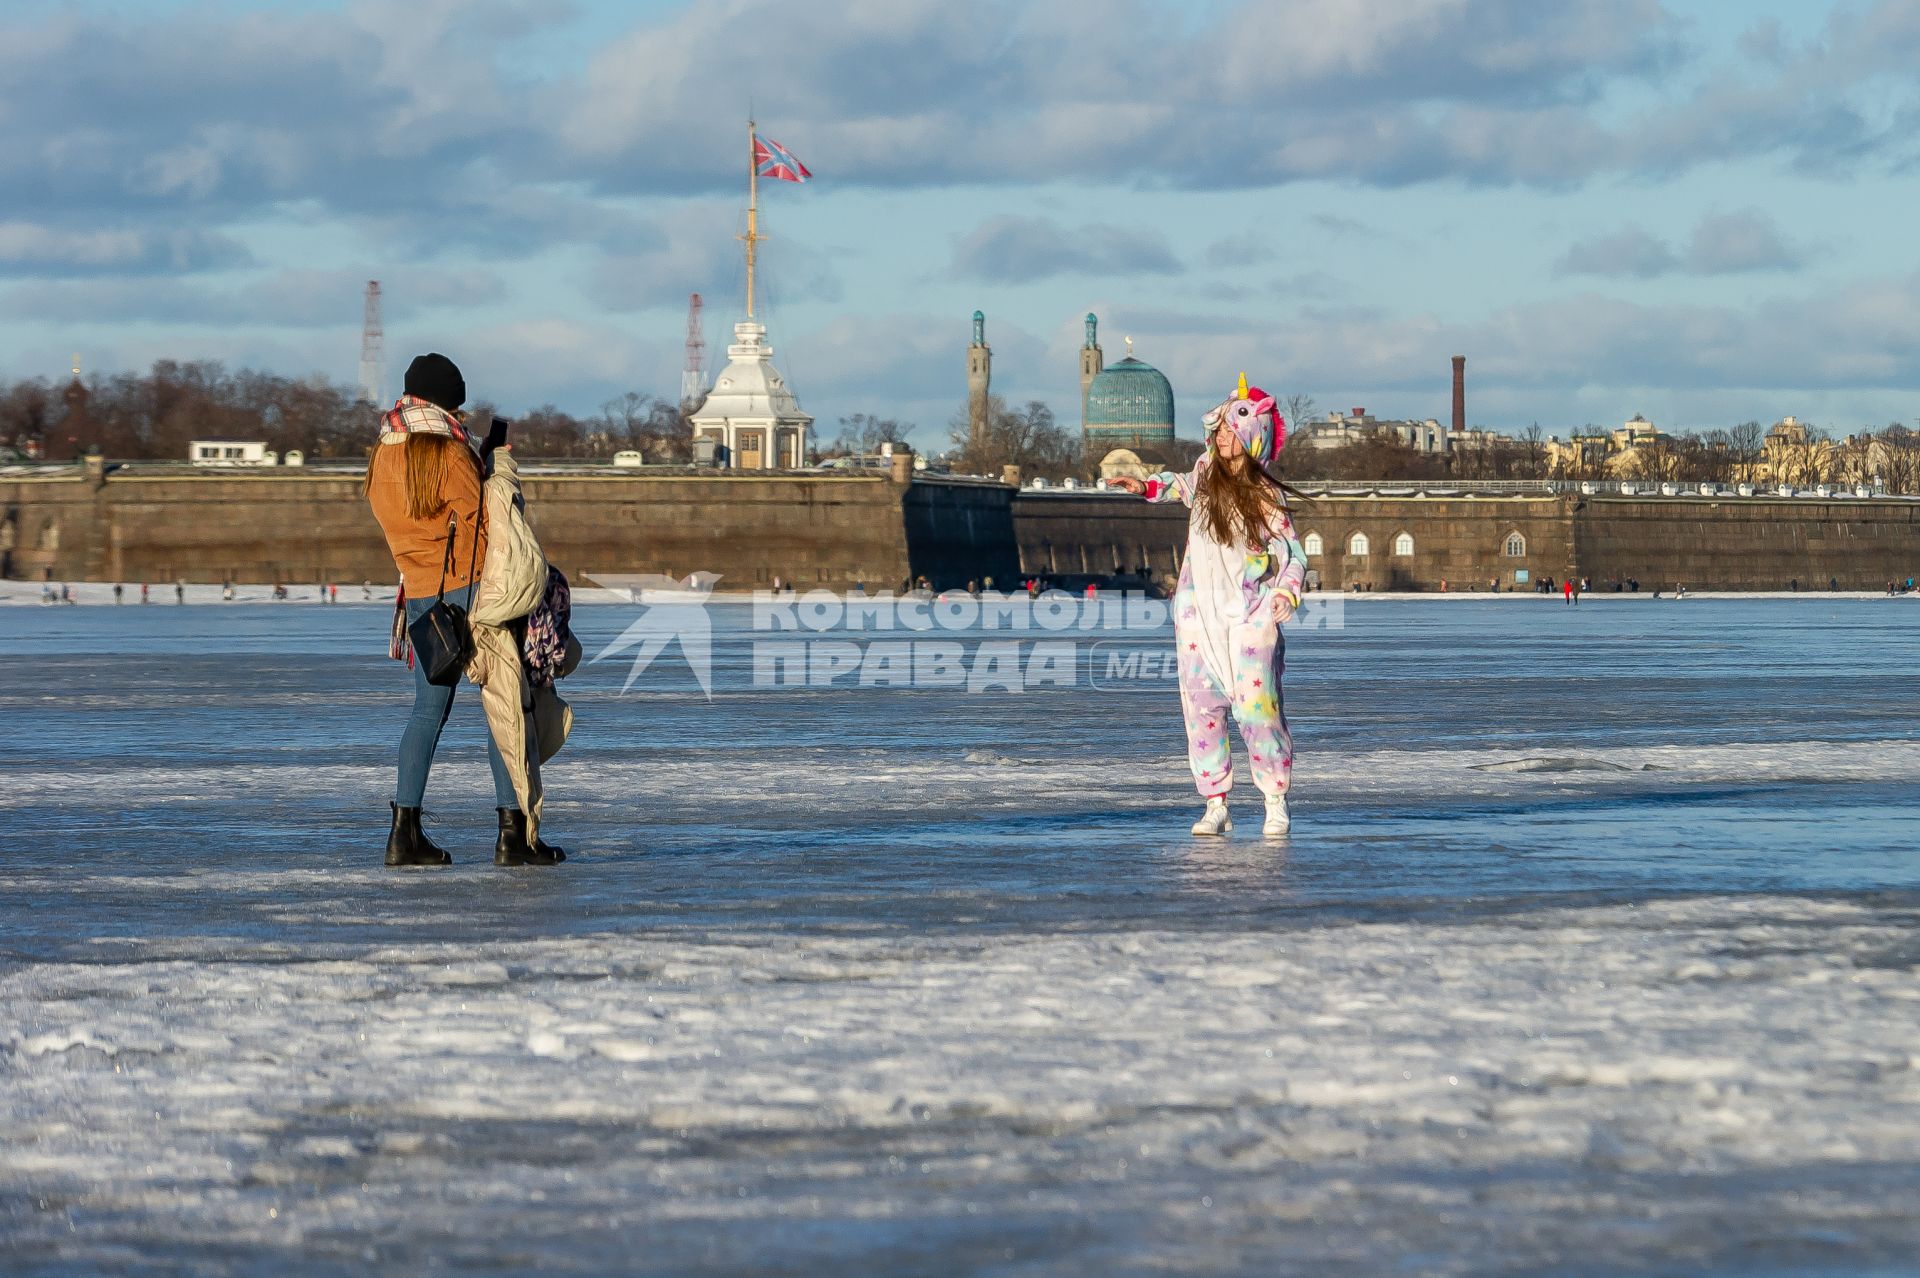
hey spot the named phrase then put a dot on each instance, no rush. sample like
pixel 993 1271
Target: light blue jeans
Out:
pixel 431 706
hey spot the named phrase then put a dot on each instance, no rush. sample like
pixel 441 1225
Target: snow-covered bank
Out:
pixel 1680 1079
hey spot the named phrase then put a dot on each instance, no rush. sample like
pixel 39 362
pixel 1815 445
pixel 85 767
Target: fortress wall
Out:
pixel 150 524
pixel 1462 541
pixel 960 531
pixel 809 530
pixel 1459 540
pixel 1748 543
pixel 197 527
pixel 1063 533
pixel 166 523
pixel 1730 544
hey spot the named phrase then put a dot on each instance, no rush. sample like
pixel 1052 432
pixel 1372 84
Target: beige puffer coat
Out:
pixel 528 724
pixel 515 575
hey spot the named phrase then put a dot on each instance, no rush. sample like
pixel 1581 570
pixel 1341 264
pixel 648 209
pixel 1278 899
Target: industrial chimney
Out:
pixel 1459 392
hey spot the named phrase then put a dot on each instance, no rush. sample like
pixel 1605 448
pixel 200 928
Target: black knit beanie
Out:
pixel 436 379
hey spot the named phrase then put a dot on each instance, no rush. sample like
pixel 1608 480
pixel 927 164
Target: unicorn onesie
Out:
pixel 1227 611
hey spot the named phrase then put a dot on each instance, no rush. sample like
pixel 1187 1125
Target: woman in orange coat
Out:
pixel 427 473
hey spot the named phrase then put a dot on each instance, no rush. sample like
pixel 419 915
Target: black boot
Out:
pixel 409 844
pixel 512 848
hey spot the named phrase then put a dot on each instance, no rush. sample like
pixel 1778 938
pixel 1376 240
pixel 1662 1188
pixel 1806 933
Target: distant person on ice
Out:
pixel 428 467
pixel 1240 579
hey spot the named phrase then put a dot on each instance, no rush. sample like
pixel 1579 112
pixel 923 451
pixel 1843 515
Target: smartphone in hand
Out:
pixel 496 434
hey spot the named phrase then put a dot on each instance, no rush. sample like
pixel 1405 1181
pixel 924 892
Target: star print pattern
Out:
pixel 1259 661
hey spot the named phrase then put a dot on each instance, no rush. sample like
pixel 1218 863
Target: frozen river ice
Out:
pixel 1594 951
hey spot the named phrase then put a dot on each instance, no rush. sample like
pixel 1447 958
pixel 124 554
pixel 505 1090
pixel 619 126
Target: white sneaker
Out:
pixel 1215 819
pixel 1279 820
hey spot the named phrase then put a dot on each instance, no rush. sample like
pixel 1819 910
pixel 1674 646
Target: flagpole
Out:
pixel 753 209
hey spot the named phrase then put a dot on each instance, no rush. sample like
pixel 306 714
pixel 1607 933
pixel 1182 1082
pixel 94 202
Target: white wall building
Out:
pixel 751 413
pixel 1337 429
pixel 231 452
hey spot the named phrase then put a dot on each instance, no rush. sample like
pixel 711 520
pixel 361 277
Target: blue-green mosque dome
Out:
pixel 1129 403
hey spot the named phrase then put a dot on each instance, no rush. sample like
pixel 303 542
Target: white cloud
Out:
pixel 27 248
pixel 1632 252
pixel 293 298
pixel 1724 243
pixel 1721 244
pixel 1013 249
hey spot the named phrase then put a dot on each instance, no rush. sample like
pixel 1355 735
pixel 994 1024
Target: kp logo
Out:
pixel 672 611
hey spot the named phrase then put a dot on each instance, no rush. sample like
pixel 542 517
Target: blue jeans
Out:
pixel 431 706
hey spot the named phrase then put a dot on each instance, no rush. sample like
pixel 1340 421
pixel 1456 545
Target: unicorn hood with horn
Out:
pixel 1255 419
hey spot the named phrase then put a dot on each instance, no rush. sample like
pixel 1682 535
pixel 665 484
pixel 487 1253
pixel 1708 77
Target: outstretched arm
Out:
pixel 1164 485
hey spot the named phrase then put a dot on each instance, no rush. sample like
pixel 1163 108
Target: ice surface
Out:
pixel 915 982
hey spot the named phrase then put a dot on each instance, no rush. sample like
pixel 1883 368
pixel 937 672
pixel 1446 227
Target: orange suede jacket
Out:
pixel 419 546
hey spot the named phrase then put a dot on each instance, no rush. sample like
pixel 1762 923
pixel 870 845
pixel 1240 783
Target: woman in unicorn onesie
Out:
pixel 1239 581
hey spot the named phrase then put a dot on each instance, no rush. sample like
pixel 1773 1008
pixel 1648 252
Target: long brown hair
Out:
pixel 427 461
pixel 1240 500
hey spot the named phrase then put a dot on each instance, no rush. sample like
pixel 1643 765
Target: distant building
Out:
pixel 979 385
pixel 751 418
pixel 1793 453
pixel 1427 437
pixel 1614 452
pixel 231 452
pixel 1788 430
pixel 1092 360
pixel 1137 463
pixel 1128 405
pixel 77 434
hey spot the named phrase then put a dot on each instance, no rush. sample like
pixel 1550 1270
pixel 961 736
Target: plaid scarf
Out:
pixel 411 414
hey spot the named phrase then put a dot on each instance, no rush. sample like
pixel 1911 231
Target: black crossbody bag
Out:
pixel 442 637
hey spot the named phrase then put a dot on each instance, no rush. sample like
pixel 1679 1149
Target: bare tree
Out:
pixel 1746 445
pixel 1298 409
pixel 659 429
pixel 1532 461
pixel 1807 460
pixel 1026 437
pixel 863 433
pixel 1899 459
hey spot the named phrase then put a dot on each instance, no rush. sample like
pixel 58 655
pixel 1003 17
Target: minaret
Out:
pixel 1091 362
pixel 979 378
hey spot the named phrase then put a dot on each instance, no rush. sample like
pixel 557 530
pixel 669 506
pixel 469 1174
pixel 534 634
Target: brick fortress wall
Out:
pixel 170 523
pixel 1703 543
pixel 162 523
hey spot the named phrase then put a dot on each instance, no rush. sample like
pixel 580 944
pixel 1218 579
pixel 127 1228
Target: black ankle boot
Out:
pixel 409 844
pixel 512 848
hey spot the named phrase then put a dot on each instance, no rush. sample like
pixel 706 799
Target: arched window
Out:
pixel 1357 544
pixel 1403 545
pixel 1314 545
pixel 1516 546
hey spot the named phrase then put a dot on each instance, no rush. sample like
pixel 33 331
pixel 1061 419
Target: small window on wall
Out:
pixel 1516 546
pixel 1357 544
pixel 1314 545
pixel 1403 545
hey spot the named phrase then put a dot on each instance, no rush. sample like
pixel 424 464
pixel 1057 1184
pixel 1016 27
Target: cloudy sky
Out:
pixel 1693 209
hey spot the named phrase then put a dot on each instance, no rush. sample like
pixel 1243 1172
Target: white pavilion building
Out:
pixel 751 414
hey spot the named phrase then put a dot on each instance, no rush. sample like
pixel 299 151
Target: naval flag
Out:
pixel 775 161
